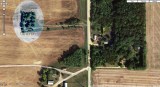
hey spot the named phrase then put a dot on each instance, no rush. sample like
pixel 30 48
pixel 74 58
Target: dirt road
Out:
pixel 72 75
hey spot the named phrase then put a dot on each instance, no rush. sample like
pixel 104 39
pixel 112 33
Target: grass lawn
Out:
pixel 79 80
pixel 83 9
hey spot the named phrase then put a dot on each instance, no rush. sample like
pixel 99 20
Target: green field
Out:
pixel 83 9
pixel 79 80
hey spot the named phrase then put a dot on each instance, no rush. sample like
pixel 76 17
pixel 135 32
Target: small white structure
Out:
pixel 65 84
pixel 106 42
pixel 50 82
pixel 95 37
pixel 139 48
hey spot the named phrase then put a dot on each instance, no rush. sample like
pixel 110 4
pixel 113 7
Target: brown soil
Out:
pixel 50 45
pixel 125 78
pixel 43 51
pixel 53 10
pixel 19 77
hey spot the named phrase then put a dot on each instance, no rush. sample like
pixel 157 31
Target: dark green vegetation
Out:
pixel 74 57
pixel 47 75
pixel 127 36
pixel 72 21
pixel 100 56
pixel 62 27
pixel 27 21
pixel 73 60
pixel 101 14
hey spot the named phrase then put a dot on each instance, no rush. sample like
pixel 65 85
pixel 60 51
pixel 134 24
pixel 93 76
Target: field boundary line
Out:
pixel 111 68
pixel 40 66
pixel 12 66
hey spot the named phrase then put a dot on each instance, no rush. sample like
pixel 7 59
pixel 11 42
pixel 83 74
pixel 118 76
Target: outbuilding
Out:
pixel 65 84
pixel 50 82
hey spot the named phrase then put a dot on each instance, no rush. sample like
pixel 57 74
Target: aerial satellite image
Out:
pixel 79 43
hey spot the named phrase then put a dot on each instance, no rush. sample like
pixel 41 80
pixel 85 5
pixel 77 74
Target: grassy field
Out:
pixel 83 9
pixel 79 80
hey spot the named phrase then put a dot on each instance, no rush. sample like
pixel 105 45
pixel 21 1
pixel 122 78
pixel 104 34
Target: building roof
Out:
pixel 50 82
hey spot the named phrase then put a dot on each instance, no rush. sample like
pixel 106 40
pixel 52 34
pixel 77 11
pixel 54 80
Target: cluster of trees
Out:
pixel 45 75
pixel 74 57
pixel 101 12
pixel 127 35
pixel 27 21
pixel 101 55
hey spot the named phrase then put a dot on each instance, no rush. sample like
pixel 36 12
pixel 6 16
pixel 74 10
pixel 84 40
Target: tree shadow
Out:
pixel 68 52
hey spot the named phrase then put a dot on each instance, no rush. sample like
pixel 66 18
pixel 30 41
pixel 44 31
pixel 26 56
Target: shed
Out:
pixel 65 84
pixel 50 82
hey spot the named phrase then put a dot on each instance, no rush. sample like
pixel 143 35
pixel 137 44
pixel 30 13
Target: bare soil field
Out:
pixel 43 51
pixel 53 10
pixel 0 22
pixel 147 78
pixel 19 77
pixel 126 78
pixel 50 45
pixel 153 35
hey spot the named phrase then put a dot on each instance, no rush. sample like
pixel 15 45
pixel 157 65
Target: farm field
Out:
pixel 153 34
pixel 148 78
pixel 126 78
pixel 53 10
pixel 19 77
pixel 1 22
pixel 50 45
pixel 44 51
